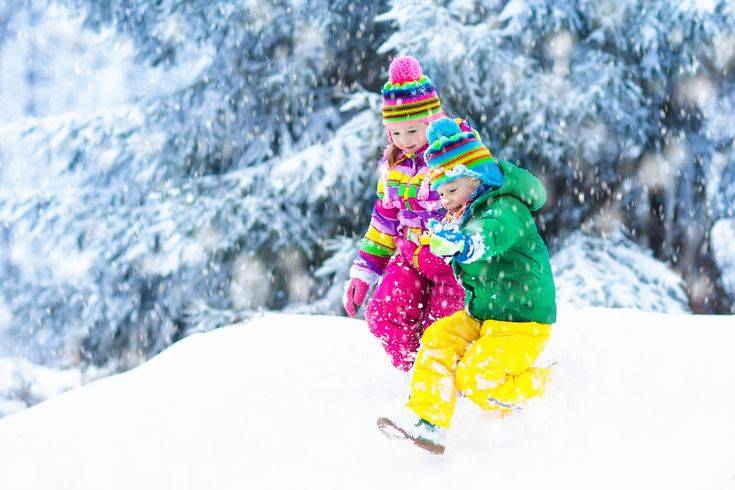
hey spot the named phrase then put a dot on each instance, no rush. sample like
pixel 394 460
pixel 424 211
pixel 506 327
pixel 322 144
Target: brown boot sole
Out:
pixel 392 431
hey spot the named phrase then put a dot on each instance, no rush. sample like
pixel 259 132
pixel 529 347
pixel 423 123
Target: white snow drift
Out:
pixel 639 400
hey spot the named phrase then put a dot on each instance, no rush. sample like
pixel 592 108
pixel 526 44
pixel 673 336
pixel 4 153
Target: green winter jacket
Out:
pixel 508 276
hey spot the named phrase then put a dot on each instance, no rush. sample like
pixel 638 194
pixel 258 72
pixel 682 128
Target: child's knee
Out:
pixel 510 352
pixel 446 329
pixel 478 373
pixel 524 386
pixel 433 333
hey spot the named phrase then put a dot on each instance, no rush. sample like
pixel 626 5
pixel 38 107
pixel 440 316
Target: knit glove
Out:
pixel 449 241
pixel 447 244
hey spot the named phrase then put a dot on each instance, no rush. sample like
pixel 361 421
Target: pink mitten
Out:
pixel 428 264
pixel 433 266
pixel 355 294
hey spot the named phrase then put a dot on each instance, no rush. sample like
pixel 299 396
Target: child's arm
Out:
pixel 378 245
pixel 496 230
pixel 499 228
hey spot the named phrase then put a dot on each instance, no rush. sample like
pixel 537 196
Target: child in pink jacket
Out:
pixel 415 287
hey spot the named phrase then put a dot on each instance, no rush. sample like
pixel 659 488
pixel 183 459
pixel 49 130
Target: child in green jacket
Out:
pixel 485 352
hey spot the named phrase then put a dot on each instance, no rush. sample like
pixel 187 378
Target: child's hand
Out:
pixel 447 243
pixel 355 293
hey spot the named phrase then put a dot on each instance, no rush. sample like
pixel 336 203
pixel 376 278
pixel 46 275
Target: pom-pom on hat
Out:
pixel 454 153
pixel 409 95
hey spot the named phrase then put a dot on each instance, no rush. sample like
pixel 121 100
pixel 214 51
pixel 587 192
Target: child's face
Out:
pixel 456 193
pixel 409 137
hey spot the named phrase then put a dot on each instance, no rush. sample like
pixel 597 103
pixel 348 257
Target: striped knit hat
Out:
pixel 408 95
pixel 454 153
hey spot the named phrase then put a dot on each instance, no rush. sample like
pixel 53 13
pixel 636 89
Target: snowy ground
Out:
pixel 639 400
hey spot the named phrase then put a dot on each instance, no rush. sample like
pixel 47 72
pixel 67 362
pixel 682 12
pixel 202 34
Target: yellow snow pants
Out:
pixel 489 362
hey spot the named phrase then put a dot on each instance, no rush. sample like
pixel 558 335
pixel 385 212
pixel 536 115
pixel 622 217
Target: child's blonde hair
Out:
pixel 393 155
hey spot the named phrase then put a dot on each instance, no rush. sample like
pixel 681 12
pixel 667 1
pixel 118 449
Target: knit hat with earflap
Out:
pixel 409 95
pixel 454 153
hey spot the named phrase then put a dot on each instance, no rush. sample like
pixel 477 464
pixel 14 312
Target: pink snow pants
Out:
pixel 406 302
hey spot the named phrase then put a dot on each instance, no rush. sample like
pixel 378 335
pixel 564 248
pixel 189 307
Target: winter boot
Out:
pixel 419 432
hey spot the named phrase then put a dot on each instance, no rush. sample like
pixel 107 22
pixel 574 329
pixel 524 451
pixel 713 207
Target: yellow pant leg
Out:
pixel 433 391
pixel 496 370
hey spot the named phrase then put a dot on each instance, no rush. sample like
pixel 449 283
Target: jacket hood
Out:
pixel 518 183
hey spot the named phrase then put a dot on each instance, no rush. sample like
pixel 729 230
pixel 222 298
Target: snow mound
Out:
pixel 638 400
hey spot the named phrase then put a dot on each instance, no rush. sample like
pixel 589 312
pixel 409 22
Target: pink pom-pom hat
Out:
pixel 404 69
pixel 409 95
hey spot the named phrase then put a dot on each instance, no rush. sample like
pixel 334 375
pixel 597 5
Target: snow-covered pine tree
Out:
pixel 615 272
pixel 719 178
pixel 192 205
pixel 9 9
pixel 49 65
